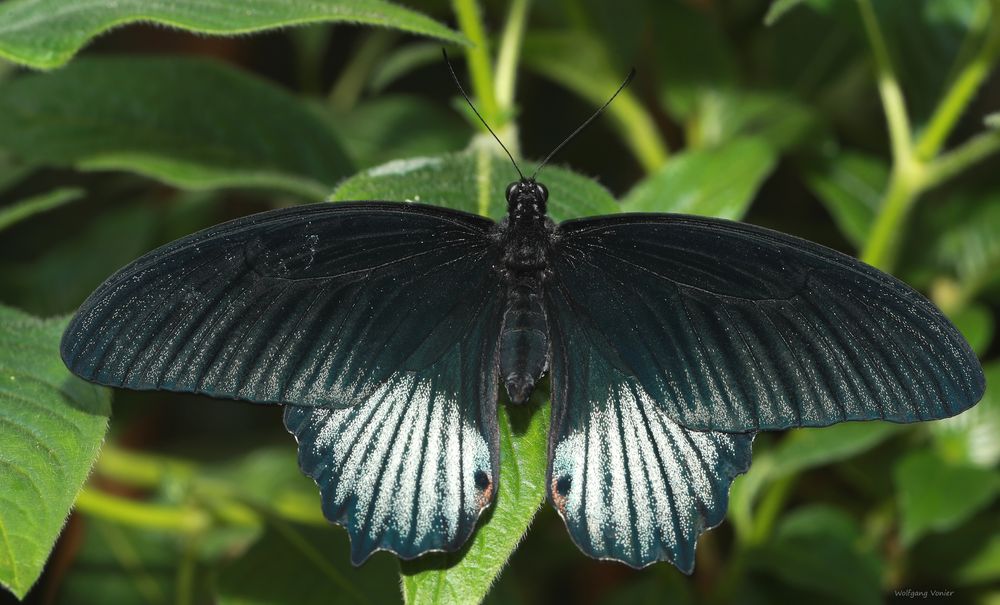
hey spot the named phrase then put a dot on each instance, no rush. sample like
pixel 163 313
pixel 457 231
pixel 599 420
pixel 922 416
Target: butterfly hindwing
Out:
pixel 631 484
pixel 732 327
pixel 410 468
pixel 317 305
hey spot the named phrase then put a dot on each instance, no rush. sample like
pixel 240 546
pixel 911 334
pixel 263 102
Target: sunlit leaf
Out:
pixel 52 428
pixel 936 495
pixel 47 33
pixel 719 181
pixel 971 437
pixel 809 448
pixel 780 121
pixel 192 123
pixel 23 209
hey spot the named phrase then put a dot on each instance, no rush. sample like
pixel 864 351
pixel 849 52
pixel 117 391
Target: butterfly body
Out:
pixel 525 236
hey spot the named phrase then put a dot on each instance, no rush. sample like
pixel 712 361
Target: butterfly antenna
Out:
pixel 628 78
pixel 454 77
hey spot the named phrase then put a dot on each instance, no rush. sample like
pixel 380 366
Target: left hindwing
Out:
pixel 410 469
pixel 730 327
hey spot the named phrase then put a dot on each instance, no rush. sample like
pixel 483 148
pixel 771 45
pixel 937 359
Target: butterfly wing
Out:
pixel 631 484
pixel 317 305
pixel 378 321
pixel 730 327
pixel 410 469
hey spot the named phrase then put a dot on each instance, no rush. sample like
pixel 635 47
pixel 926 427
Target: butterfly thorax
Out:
pixel 525 236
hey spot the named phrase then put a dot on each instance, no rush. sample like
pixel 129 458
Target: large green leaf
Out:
pixel 308 566
pixel 937 495
pixel 47 33
pixel 719 181
pixel 809 448
pixel 850 184
pixel 473 181
pixel 188 122
pixel 818 549
pixel 466 576
pixel 51 428
pixel 23 209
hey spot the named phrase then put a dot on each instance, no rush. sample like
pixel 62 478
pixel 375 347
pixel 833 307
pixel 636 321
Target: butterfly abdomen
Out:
pixel 524 341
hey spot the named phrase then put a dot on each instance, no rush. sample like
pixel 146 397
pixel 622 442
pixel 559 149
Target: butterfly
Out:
pixel 386 328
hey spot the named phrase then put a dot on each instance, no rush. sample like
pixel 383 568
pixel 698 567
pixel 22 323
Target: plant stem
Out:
pixel 969 79
pixel 478 56
pixel 345 93
pixel 509 53
pixel 879 251
pixel 888 86
pixel 141 514
pixel 965 155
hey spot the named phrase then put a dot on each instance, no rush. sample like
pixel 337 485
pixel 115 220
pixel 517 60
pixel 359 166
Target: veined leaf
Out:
pixel 52 428
pixel 971 437
pixel 473 181
pixel 719 181
pixel 18 211
pixel 191 123
pixel 47 33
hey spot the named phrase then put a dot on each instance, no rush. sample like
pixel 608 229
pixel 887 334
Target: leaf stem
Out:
pixel 888 86
pixel 964 87
pixel 965 155
pixel 126 511
pixel 509 54
pixel 345 93
pixel 478 55
pixel 879 251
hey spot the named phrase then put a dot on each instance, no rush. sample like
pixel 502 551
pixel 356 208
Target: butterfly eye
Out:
pixel 543 192
pixel 511 190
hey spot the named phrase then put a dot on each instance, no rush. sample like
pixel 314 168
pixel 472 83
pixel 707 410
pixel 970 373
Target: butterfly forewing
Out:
pixel 315 305
pixel 731 327
pixel 631 484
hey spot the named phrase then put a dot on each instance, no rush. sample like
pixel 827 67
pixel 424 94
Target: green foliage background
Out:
pixel 868 125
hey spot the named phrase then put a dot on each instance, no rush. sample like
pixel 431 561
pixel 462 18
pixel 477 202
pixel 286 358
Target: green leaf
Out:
pixel 971 437
pixel 47 33
pixel 779 120
pixel 975 321
pixel 817 548
pixel 466 576
pixel 970 247
pixel 937 495
pixel 778 9
pixel 992 120
pixel 307 566
pixel 475 182
pixel 808 448
pixel 850 184
pixel 403 61
pixel 52 428
pixel 719 181
pixel 394 127
pixel 191 123
pixel 19 211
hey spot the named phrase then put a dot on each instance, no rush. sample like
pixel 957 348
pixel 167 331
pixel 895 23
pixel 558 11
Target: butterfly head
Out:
pixel 526 199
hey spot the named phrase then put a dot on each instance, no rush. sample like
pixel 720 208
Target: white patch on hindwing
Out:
pixel 374 451
pixel 637 481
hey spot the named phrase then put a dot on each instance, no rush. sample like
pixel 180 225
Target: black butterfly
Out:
pixel 385 328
